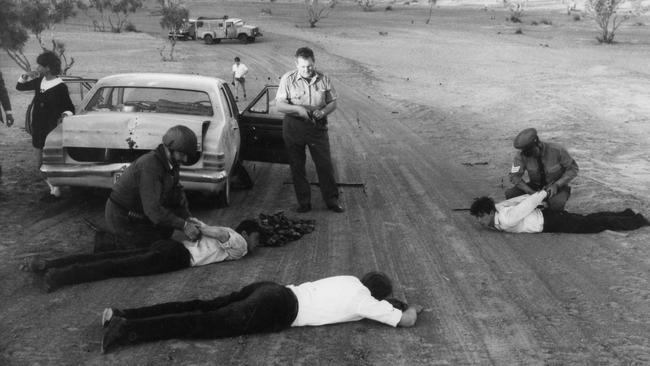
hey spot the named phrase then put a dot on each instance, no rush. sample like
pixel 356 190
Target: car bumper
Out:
pixel 103 176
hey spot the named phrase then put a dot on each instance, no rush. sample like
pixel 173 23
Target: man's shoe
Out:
pixel 303 208
pixel 114 333
pixel 110 313
pixel 48 284
pixel 33 264
pixel 336 208
pixel 107 315
pixel 49 198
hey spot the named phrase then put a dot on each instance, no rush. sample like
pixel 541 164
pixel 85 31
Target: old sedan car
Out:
pixel 124 116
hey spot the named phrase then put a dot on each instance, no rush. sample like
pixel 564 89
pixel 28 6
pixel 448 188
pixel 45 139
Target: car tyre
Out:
pixel 243 39
pixel 223 197
pixel 208 39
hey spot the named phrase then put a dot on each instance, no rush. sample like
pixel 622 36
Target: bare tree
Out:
pixel 431 4
pixel 13 35
pixel 517 8
pixel 174 16
pixel 366 5
pixel 317 11
pixel 34 17
pixel 609 18
pixel 114 12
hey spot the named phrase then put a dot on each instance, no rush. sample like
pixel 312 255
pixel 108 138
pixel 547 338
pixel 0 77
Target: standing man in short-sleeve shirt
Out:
pixel 307 97
pixel 239 71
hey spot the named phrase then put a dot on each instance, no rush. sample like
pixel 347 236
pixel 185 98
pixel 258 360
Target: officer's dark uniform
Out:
pixel 298 133
pixel 553 166
pixel 147 202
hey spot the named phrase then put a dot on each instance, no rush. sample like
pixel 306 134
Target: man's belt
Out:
pixel 133 215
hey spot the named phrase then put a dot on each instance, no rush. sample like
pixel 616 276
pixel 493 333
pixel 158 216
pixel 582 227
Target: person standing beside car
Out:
pixel 307 97
pixel 239 71
pixel 51 102
pixel 6 106
pixel 147 202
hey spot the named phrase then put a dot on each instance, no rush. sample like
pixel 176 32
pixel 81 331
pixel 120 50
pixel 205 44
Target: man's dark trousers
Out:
pixel 257 308
pixel 163 256
pixel 566 222
pixel 297 134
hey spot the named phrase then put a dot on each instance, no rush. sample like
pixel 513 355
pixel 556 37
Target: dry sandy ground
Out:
pixel 417 104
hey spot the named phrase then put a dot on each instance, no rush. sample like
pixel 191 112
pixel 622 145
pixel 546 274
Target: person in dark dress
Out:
pixel 51 102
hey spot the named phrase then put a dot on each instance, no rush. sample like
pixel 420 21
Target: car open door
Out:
pixel 260 125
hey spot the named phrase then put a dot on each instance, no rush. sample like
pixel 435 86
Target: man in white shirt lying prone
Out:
pixel 216 244
pixel 261 307
pixel 522 215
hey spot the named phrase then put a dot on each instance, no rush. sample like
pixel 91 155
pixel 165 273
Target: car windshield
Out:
pixel 152 100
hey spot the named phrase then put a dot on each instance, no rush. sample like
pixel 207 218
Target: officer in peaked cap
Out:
pixel 549 167
pixel 526 139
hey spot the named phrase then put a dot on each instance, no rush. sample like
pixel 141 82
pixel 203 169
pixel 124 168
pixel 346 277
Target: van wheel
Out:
pixel 223 197
pixel 208 39
pixel 243 39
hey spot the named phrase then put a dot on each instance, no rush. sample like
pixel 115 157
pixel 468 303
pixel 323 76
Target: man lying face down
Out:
pixel 261 307
pixel 216 244
pixel 521 215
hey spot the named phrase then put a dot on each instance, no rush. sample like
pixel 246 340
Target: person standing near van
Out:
pixel 239 71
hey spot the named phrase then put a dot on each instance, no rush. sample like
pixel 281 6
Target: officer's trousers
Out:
pixel 297 134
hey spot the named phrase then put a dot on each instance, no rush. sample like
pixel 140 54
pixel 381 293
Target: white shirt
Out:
pixel 520 214
pixel 340 299
pixel 239 70
pixel 49 84
pixel 208 250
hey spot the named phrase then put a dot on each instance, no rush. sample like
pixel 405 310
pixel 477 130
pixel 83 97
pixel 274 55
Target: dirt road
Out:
pixel 489 298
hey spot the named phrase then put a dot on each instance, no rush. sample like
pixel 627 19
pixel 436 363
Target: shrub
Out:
pixel 388 8
pixel 546 22
pixel 576 17
pixel 516 8
pixel 607 17
pixel 266 11
pixel 519 31
pixel 130 27
pixel 534 22
pixel 366 5
pixel 316 11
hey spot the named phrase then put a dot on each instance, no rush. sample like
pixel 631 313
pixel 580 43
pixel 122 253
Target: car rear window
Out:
pixel 151 100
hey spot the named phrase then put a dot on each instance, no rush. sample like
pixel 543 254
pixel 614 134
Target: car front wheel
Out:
pixel 243 38
pixel 208 39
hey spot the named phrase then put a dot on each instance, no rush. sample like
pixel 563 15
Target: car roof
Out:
pixel 162 80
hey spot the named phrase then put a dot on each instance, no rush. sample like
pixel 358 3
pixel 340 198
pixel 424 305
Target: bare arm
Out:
pixel 409 316
pixel 292 109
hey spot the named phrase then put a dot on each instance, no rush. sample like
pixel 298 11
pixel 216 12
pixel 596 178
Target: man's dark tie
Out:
pixel 542 171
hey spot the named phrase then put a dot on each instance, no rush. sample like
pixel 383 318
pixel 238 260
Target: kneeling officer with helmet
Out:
pixel 549 167
pixel 147 202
